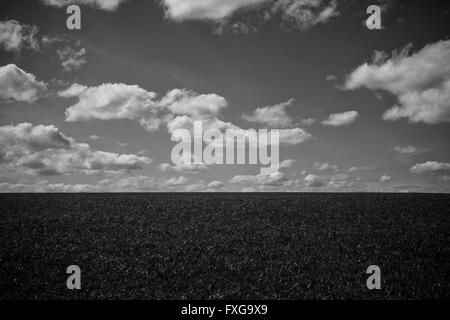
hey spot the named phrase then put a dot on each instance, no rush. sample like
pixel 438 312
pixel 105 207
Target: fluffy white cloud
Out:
pixel 216 184
pixel 288 163
pixel 108 5
pixel 18 85
pixel 294 136
pixel 179 108
pixel 44 150
pixel 314 181
pixel 300 14
pixel 341 119
pixel 421 82
pixel 112 102
pixel 197 106
pixel 273 116
pixel 15 36
pixel 174 182
pixel 385 178
pixel 432 167
pixel 181 10
pixel 72 58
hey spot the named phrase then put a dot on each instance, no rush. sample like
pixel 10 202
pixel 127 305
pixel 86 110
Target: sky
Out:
pixel 93 110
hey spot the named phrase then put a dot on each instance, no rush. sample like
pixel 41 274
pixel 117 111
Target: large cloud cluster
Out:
pixel 44 150
pixel 421 82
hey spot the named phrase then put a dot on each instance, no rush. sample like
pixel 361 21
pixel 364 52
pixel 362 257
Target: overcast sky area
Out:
pixel 93 110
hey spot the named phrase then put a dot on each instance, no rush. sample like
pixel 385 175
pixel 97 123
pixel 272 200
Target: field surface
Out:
pixel 224 246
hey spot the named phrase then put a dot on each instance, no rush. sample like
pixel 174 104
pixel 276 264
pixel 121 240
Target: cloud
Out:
pixel 323 166
pixel 314 181
pixel 303 14
pixel 187 168
pixel 108 5
pixel 112 102
pixel 178 108
pixel 273 116
pixel 216 184
pixel 288 163
pixel 274 179
pixel 244 16
pixel 293 136
pixel 15 36
pixel 421 82
pixel 432 167
pixel 72 58
pixel 182 10
pixel 174 181
pixel 18 85
pixel 44 150
pixel 409 150
pixel 341 119
pixel 385 178
pixel 197 106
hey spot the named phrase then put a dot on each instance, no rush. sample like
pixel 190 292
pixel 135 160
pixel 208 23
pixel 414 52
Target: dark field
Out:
pixel 224 246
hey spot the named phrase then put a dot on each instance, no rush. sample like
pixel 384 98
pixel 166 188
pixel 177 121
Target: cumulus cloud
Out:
pixel 178 108
pixel 72 58
pixel 288 163
pixel 44 150
pixel 197 106
pixel 174 182
pixel 432 167
pixel 113 102
pixel 294 136
pixel 421 82
pixel 314 181
pixel 108 5
pixel 216 184
pixel 324 166
pixel 341 119
pixel 300 14
pixel 273 116
pixel 385 178
pixel 15 36
pixel 18 85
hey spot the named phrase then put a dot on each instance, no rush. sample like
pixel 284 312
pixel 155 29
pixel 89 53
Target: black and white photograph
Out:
pixel 224 150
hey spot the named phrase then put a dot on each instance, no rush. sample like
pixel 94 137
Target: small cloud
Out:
pixel 314 181
pixel 273 116
pixel 385 178
pixel 341 119
pixel 323 166
pixel 71 58
pixel 288 163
